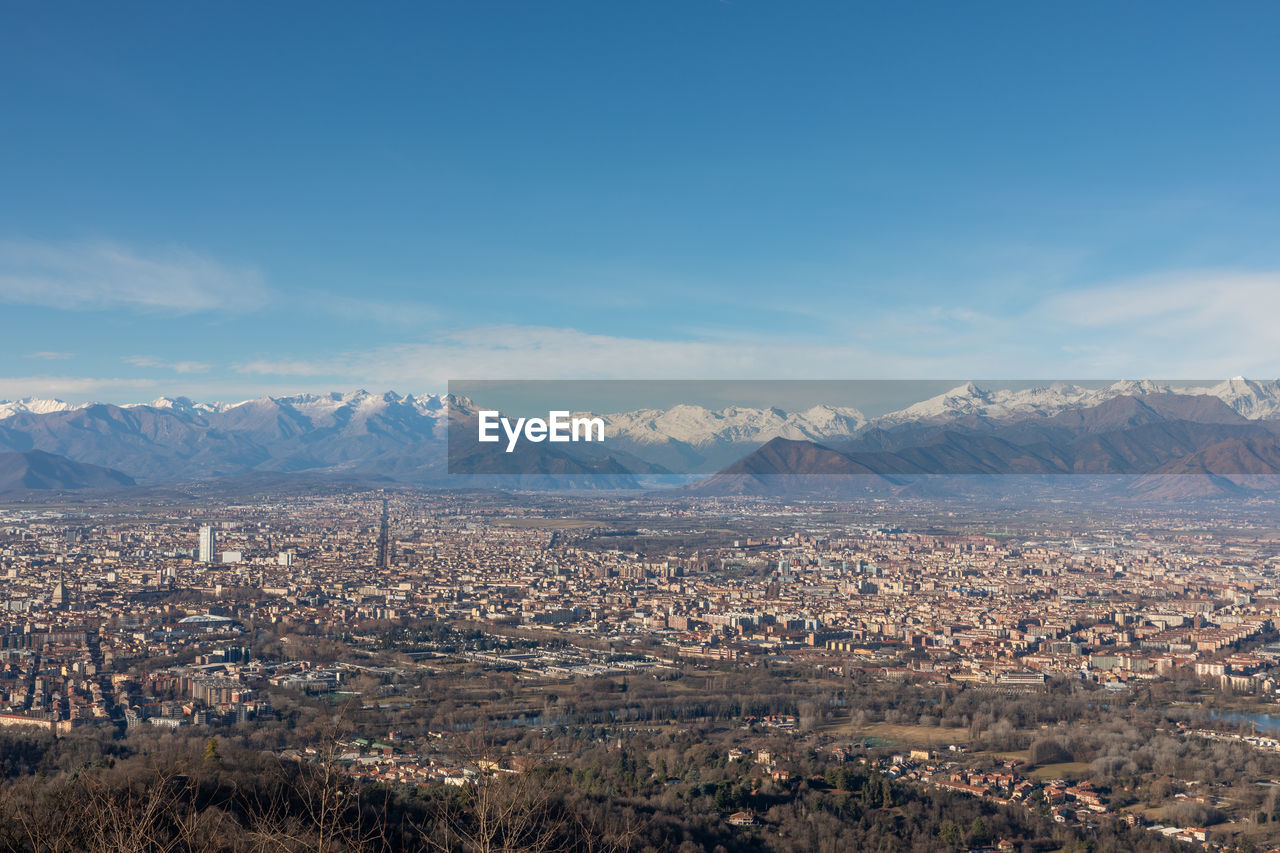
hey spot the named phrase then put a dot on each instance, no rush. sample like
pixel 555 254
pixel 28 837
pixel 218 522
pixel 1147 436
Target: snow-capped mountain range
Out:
pixel 698 426
pixel 1256 400
pixel 317 406
pixel 402 437
pixel 175 438
pixel 693 425
pixel 320 407
pixel 34 406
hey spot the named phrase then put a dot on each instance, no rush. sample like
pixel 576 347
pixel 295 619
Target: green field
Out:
pixel 1069 770
pixel 901 734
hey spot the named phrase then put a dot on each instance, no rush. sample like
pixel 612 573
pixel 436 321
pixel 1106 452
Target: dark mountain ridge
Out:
pixel 1160 445
pixel 37 470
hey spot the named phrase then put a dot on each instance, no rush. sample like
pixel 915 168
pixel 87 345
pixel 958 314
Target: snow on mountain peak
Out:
pixel 698 426
pixel 1138 388
pixel 35 406
pixel 1001 404
pixel 180 404
pixel 1251 398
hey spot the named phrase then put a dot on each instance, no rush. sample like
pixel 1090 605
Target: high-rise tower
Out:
pixel 207 543
pixel 384 536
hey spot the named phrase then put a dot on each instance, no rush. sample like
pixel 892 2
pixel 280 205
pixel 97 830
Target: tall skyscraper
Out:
pixel 207 543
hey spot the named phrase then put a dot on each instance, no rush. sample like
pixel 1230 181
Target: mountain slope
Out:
pixel 794 468
pixel 1234 466
pixel 35 469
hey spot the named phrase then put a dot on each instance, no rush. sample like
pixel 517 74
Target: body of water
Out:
pixel 1266 723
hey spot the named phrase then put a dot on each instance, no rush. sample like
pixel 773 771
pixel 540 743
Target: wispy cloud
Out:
pixel 1201 324
pixel 1176 301
pixel 175 366
pixel 78 387
pixel 1196 322
pixel 1184 324
pixel 545 353
pixel 98 275
pixel 49 355
pixel 385 312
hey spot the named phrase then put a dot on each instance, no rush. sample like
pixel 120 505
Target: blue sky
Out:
pixel 225 200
